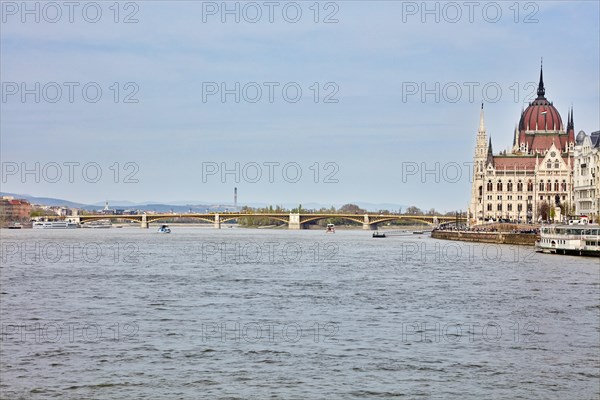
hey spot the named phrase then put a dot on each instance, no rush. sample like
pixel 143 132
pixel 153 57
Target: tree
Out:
pixel 412 210
pixel 567 209
pixel 351 209
pixel 543 210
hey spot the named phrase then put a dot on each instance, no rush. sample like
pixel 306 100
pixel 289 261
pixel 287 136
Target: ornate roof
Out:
pixel 541 124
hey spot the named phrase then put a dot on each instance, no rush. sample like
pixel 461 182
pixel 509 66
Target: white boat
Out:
pixel 164 229
pixel 330 228
pixel 581 240
pixel 55 225
pixel 100 224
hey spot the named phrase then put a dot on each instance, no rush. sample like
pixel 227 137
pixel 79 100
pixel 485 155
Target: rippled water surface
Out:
pixel 235 313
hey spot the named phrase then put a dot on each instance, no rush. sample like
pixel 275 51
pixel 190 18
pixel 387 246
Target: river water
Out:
pixel 243 313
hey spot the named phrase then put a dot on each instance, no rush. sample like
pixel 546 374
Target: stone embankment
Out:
pixel 525 239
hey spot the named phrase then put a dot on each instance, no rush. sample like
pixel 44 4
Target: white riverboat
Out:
pixel 581 240
pixel 102 224
pixel 55 225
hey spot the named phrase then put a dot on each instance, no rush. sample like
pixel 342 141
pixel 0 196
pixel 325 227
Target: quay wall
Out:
pixel 524 239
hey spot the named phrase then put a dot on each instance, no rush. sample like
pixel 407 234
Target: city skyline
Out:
pixel 394 99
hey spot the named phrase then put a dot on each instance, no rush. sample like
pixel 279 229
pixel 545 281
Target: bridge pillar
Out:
pixel 294 223
pixel 144 222
pixel 367 226
pixel 217 223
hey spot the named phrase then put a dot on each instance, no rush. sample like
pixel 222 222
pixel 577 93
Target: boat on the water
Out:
pixel 580 240
pixel 330 228
pixel 418 232
pixel 102 224
pixel 378 234
pixel 164 229
pixel 55 225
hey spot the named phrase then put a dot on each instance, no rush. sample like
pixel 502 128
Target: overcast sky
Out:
pixel 362 127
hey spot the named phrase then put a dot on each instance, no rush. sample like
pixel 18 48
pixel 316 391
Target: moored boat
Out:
pixel 330 228
pixel 102 224
pixel 581 240
pixel 55 225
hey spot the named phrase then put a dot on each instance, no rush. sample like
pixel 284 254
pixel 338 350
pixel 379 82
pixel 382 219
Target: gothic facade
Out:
pixel 528 182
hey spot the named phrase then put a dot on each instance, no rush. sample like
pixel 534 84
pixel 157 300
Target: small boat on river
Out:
pixel 164 229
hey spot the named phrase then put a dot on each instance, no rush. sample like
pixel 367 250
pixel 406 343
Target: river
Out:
pixel 246 313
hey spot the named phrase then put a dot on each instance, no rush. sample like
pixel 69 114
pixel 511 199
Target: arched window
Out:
pixel 541 186
pixel 499 186
pixel 563 186
pixel 519 186
pixel 549 164
pixel 509 186
pixel 530 186
pixel 480 191
pixel 556 186
pixel 556 164
pixel 489 186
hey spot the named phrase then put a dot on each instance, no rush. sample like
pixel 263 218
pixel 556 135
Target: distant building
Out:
pixel 536 175
pixel 14 210
pixel 587 175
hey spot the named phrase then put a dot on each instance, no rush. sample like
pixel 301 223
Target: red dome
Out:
pixel 540 116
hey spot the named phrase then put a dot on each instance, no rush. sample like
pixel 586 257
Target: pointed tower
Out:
pixel 479 165
pixel 490 153
pixel 541 92
pixel 571 130
pixel 481 145
pixel 515 148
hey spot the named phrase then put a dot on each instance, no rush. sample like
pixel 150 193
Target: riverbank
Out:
pixel 525 239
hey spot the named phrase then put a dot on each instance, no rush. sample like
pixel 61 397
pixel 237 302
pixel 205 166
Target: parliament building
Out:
pixel 534 180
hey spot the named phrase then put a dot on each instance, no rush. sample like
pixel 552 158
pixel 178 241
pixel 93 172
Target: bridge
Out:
pixel 293 220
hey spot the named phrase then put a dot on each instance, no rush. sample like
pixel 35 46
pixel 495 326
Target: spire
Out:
pixel 541 90
pixel 490 155
pixel 481 123
pixel 572 120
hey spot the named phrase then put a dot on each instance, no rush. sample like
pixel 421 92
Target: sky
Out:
pixel 290 102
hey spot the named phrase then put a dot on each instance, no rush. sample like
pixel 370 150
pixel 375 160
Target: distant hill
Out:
pixel 48 201
pixel 373 207
pixel 158 207
pixel 179 207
